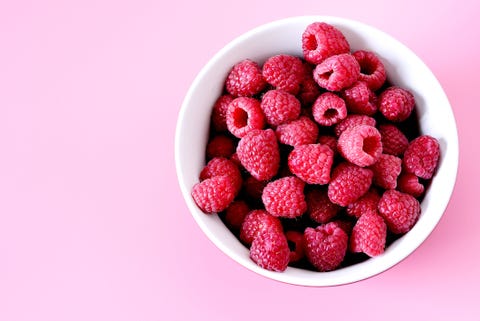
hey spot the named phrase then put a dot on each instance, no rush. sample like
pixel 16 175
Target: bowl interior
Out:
pixel 403 67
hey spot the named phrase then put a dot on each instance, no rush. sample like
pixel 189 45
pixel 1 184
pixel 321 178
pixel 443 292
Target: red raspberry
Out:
pixel 321 40
pixel 360 99
pixel 337 72
pixel 279 107
pixel 220 146
pixel 360 145
pixel 372 70
pixel 399 210
pixel 386 171
pixel 352 121
pixel 345 225
pixel 220 166
pixel 394 142
pixel 258 222
pixel 297 132
pixel 259 154
pixel 270 251
pixel 396 103
pixel 368 203
pixel 409 183
pixel 311 163
pixel 245 79
pixel 349 182
pixel 214 194
pixel 325 246
pixel 309 89
pixel 319 207
pixel 219 113
pixel 330 141
pixel 369 235
pixel 253 187
pixel 421 156
pixel 284 197
pixel 284 72
pixel 236 213
pixel 329 109
pixel 296 245
pixel 244 114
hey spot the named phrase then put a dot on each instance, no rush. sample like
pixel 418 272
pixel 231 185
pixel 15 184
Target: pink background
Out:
pixel 92 222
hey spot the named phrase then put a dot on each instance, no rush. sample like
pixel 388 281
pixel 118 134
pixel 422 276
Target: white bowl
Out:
pixel 403 67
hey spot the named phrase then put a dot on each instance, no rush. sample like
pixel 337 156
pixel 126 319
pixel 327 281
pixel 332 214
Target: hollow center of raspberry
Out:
pixel 311 42
pixel 240 118
pixel 330 113
pixel 370 145
pixel 367 68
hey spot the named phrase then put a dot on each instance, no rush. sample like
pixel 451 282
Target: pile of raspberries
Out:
pixel 315 161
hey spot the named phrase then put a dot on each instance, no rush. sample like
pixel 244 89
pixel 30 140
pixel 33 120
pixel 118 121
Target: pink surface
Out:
pixel 92 222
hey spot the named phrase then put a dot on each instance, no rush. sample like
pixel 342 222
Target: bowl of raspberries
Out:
pixel 316 150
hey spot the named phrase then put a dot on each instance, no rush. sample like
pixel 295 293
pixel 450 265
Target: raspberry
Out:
pixel 220 166
pixel 369 235
pixel 219 113
pixel 386 171
pixel 297 132
pixel 325 246
pixel 296 245
pixel 214 194
pixel 408 183
pixel 253 187
pixel 309 89
pixel 244 114
pixel 236 213
pixel 337 72
pixel 349 182
pixel 319 207
pixel 258 222
pixel 360 145
pixel 329 109
pixel 345 225
pixel 352 121
pixel 330 141
pixel 245 79
pixel 368 203
pixel 394 142
pixel 311 163
pixel 220 146
pixel 399 210
pixel 284 197
pixel 360 99
pixel 396 103
pixel 284 72
pixel 421 156
pixel 259 154
pixel 270 251
pixel 279 107
pixel 321 40
pixel 372 70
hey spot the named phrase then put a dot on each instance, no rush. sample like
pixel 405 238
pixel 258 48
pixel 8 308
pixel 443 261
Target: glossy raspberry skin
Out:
pixel 284 72
pixel 361 145
pixel 311 163
pixel 360 99
pixel 259 154
pixel 297 250
pixel 245 79
pixel 386 171
pixel 325 246
pixel 284 197
pixel 279 107
pixel 348 183
pixel 372 70
pixel 244 114
pixel 369 235
pixel 321 40
pixel 297 132
pixel 219 113
pixel 421 156
pixel 236 213
pixel 396 103
pixel 220 146
pixel 399 210
pixel 337 72
pixel 368 203
pixel 319 207
pixel 409 183
pixel 213 195
pixel 258 222
pixel 394 142
pixel 329 109
pixel 220 166
pixel 270 251
pixel 353 120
